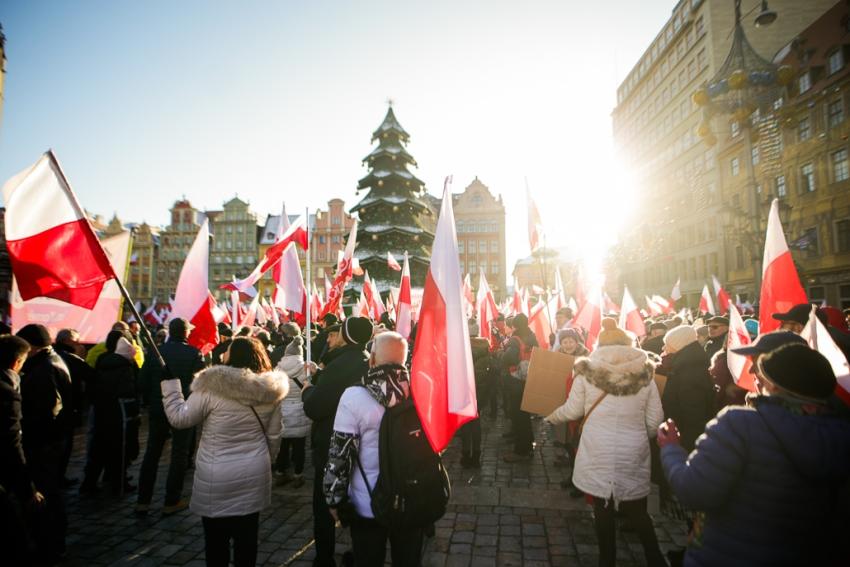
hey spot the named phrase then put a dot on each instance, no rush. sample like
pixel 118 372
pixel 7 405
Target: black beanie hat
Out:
pixel 36 335
pixel 800 370
pixel 356 330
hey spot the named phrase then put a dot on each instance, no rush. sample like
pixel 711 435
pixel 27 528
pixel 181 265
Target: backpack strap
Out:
pixel 362 474
pixel 590 411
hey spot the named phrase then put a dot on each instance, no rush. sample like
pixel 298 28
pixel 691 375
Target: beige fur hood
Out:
pixel 618 370
pixel 242 385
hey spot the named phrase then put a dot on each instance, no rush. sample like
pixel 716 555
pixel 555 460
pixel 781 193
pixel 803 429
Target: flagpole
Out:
pixel 124 293
pixel 309 308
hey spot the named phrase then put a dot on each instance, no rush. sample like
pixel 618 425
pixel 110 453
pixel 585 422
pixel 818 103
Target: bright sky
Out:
pixel 276 100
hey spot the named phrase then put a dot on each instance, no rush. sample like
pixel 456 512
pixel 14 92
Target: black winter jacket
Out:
pixel 183 360
pixel 45 388
pixel 14 477
pixel 689 394
pixel 345 366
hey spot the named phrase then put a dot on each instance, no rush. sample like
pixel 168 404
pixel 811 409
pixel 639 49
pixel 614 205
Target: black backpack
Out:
pixel 413 487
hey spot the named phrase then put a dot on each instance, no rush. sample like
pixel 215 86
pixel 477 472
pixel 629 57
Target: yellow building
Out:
pixel 679 231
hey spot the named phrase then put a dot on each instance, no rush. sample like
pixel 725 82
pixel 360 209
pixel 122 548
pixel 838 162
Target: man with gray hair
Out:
pixel 354 444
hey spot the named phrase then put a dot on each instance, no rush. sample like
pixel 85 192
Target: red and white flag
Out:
pixel 818 337
pixel 589 316
pixel 468 297
pixel 739 365
pixel 373 297
pixel 676 293
pixel 192 300
pixel 250 318
pixel 723 299
pixel 653 308
pixel 442 376
pixel 289 294
pixel 662 303
pixel 581 288
pixel 706 304
pixel 485 307
pixel 45 228
pixel 561 298
pixel 344 271
pixel 516 304
pixel 392 263
pixel 539 324
pixel 219 315
pixel 610 306
pixel 403 309
pixel 235 311
pixel 535 223
pixel 780 287
pixel 630 318
pixel 316 306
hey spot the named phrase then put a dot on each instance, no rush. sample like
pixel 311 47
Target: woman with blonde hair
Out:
pixel 238 404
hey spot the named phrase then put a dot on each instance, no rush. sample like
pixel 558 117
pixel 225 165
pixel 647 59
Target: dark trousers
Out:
pixel 323 523
pixel 158 433
pixel 49 523
pixel 369 542
pixel 292 450
pixel 523 436
pixel 470 435
pixel 14 540
pixel 604 517
pixel 219 532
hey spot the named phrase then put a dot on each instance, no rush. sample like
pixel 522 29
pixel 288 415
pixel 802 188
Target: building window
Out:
pixel 460 246
pixel 736 128
pixel 699 27
pixel 735 166
pixel 494 268
pixel 322 239
pixel 807 178
pixel 335 239
pixel 779 182
pixel 460 227
pixel 754 154
pixel 835 113
pixel 739 257
pixel 804 129
pixel 835 61
pixel 810 243
pixel 471 246
pixel 844 296
pixel 494 246
pixel 839 166
pixel 842 236
pixel 482 246
pixel 804 82
pixel 336 220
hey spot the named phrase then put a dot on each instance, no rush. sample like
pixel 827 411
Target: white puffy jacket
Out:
pixel 233 463
pixel 613 458
pixel 295 421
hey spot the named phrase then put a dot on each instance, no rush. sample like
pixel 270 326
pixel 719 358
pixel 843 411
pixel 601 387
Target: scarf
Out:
pixel 389 384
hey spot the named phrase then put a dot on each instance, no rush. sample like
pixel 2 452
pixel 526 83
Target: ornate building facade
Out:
pixel 234 246
pixel 175 241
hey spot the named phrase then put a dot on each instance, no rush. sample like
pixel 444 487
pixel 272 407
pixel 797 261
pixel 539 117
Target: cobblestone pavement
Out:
pixel 500 514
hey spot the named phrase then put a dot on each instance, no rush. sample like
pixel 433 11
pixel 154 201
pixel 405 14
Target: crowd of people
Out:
pixel 758 478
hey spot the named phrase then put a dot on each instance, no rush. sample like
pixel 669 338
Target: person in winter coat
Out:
pixel 718 328
pixel 614 390
pixel 470 432
pixel 296 424
pixel 689 396
pixel 183 361
pixel 515 360
pixel 239 407
pixel 116 412
pixel 727 392
pixel 45 391
pixel 69 349
pixel 570 343
pixel 346 362
pixel 767 475
pixel 357 428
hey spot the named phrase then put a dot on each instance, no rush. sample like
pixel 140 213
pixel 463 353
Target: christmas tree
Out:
pixel 393 215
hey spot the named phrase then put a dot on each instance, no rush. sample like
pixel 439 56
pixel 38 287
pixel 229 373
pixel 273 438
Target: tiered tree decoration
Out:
pixel 394 216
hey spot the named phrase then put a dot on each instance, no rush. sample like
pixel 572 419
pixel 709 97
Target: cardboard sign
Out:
pixel 546 385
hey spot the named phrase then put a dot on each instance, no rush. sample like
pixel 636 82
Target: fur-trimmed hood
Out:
pixel 242 385
pixel 618 370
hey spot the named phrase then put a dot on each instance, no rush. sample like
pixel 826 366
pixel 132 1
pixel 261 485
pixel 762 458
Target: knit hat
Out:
pixel 295 347
pixel 36 335
pixel 572 333
pixel 680 337
pixel 356 330
pixel 290 329
pixel 800 370
pixel 612 335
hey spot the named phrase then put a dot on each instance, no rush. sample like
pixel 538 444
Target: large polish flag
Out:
pixel 539 324
pixel 52 247
pixel 193 301
pixel 404 305
pixel 344 271
pixel 739 365
pixel 780 286
pixel 289 291
pixel 486 308
pixel 442 375
pixel 706 304
pixel 92 324
pixel 723 299
pixel 589 316
pixel 630 318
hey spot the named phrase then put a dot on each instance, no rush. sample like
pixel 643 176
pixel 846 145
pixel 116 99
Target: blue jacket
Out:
pixel 768 481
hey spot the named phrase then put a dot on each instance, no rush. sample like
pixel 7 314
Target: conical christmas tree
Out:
pixel 394 217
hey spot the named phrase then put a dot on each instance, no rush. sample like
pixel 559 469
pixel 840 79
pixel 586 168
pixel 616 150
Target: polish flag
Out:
pixel 442 376
pixel 581 289
pixel 572 305
pixel 535 224
pixel 150 315
pixel 392 263
pixel 610 306
pixel 315 306
pixel 361 309
pixel 192 300
pixel 676 293
pixel 662 303
pixel 818 337
pixel 526 303
pixel 654 309
pixel 739 365
pixel 344 271
pixel 219 314
pixel 723 299
pixel 706 304
pixel 327 286
pixel 630 318
pixel 373 297
pixel 235 311
pixel 516 304
pixel 249 319
pixel 45 228
pixel 468 297
pixel 780 286
pixel 559 290
pixel 296 233
pixel 223 307
pixel 485 308
pixel 539 323
pixel 403 309
pixel 589 317
pixel 289 292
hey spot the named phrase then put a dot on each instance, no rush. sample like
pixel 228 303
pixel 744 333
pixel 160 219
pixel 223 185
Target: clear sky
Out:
pixel 144 102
